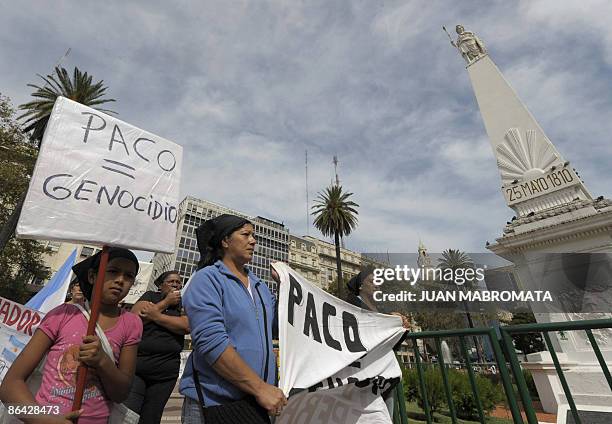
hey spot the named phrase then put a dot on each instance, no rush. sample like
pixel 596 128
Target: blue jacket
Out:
pixel 222 313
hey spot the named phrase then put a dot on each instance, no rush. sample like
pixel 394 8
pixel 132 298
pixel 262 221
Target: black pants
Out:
pixel 148 398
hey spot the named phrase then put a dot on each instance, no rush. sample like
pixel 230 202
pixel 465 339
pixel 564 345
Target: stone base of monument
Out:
pixel 587 383
pixel 589 414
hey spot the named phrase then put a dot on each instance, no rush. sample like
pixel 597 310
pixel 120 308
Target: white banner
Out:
pixel 142 283
pixel 342 405
pixel 339 355
pixel 17 324
pixel 99 180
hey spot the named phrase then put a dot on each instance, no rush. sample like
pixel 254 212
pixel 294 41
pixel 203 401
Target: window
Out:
pixel 303 246
pixel 54 246
pixel 87 251
pixel 36 281
pixel 292 243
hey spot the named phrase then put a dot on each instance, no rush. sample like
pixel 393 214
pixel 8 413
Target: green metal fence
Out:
pixel 499 346
pixel 586 326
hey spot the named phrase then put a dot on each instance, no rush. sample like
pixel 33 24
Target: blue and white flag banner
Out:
pixel 54 292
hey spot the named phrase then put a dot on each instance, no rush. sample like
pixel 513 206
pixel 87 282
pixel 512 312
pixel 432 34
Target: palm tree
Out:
pixel 335 215
pixel 455 260
pixel 81 89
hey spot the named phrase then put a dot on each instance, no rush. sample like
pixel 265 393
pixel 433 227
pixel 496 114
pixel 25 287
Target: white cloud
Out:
pixel 247 87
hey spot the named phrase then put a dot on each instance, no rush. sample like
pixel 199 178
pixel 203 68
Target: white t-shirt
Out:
pixel 250 289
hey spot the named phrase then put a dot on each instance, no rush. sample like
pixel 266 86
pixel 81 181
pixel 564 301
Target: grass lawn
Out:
pixel 416 415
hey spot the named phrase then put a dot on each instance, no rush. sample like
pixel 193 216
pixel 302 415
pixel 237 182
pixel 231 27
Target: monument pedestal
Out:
pixel 586 381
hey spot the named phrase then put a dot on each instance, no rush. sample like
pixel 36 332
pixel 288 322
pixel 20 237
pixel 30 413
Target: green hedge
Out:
pixel 533 391
pixel 463 398
pixel 435 388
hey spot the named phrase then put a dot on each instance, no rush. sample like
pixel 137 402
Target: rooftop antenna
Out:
pixel 59 62
pixel 335 162
pixel 307 200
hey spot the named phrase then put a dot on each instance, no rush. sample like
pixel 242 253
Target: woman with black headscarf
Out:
pixel 361 293
pixel 230 375
pixel 159 352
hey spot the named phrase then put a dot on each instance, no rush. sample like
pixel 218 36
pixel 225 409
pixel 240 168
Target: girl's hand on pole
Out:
pixel 91 352
pixel 68 418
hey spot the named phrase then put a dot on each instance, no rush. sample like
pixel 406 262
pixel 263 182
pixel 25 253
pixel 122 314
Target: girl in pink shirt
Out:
pixel 61 337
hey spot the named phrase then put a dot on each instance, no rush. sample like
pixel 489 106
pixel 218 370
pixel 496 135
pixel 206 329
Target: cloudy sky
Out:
pixel 248 86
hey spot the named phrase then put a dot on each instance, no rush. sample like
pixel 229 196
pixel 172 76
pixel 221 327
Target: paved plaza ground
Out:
pixel 172 411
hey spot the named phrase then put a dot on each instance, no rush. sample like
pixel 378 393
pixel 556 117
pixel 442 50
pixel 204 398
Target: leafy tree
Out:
pixel 528 342
pixel 37 112
pixel 332 288
pixel 432 320
pixel 466 406
pixel 456 260
pixel 335 215
pixel 20 260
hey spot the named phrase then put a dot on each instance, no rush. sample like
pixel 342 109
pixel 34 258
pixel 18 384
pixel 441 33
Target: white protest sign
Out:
pixel 352 350
pixel 17 324
pixel 99 180
pixel 142 283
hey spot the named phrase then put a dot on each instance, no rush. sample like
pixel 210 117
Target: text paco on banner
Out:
pixel 337 360
pixel 100 180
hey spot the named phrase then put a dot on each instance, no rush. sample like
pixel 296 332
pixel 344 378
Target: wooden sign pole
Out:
pixel 96 299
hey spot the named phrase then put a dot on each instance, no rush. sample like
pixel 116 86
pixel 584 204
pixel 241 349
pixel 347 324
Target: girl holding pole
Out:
pixel 61 338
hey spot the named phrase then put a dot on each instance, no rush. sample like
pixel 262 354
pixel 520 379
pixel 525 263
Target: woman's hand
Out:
pixel 271 398
pixel 405 320
pixel 149 311
pixel 58 419
pixel 173 298
pixel 91 352
pixel 70 417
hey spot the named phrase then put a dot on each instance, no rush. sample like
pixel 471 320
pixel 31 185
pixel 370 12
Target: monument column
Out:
pixel 554 215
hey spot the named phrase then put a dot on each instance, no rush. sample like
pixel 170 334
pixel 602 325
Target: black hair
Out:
pixel 355 283
pixel 160 279
pixel 81 269
pixel 210 234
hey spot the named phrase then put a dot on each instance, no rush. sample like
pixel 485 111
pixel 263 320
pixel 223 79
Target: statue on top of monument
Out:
pixel 468 44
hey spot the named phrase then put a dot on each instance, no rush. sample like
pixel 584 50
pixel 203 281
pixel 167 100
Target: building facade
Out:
pixel 304 258
pixel 351 261
pixel 272 241
pixel 59 252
